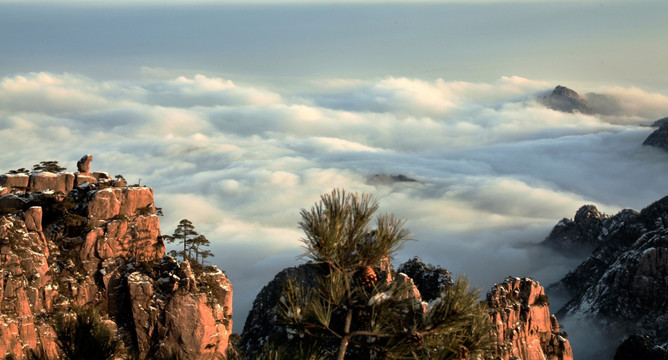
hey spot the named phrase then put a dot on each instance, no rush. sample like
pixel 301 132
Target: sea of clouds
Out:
pixel 495 169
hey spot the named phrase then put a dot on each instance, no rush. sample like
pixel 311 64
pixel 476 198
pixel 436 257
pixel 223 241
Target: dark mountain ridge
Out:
pixel 623 283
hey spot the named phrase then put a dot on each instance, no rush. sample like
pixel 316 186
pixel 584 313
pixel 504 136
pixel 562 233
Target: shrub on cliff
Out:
pixel 83 335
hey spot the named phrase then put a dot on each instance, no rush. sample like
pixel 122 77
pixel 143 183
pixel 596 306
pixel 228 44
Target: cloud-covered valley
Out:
pixel 495 169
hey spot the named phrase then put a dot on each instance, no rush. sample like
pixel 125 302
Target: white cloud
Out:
pixel 496 170
pixel 51 94
pixel 206 91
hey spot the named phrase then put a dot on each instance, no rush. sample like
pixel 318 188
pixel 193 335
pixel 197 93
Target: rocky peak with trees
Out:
pixel 621 286
pixel 85 274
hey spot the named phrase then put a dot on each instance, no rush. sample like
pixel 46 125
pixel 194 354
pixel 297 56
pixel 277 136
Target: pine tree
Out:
pixel 49 166
pixel 196 245
pixel 351 313
pixel 193 244
pixel 182 235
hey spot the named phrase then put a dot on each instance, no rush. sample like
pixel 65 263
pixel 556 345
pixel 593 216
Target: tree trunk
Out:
pixel 346 336
pixel 185 242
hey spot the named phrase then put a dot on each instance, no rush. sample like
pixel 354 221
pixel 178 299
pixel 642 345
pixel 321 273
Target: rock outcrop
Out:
pixel 588 229
pixel 566 100
pixel 623 283
pixel 99 245
pixel 525 329
pixel 430 280
pixel 659 138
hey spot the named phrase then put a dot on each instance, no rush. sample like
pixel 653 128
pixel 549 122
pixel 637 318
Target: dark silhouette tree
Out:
pixel 193 244
pixel 351 314
pixel 184 232
pixel 50 166
pixel 20 171
pixel 200 254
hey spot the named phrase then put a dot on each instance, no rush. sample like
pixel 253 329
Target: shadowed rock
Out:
pixel 659 138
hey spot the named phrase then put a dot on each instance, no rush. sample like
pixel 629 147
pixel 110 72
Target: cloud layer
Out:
pixel 495 169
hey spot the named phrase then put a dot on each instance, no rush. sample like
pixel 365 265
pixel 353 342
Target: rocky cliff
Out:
pixel 525 329
pixel 623 283
pixel 84 239
pixel 518 308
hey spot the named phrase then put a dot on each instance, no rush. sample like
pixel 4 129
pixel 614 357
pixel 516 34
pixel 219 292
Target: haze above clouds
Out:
pixel 238 117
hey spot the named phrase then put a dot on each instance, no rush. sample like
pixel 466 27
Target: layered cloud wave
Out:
pixel 494 169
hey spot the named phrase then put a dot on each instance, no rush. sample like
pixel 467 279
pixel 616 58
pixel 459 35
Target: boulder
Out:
pixel 83 165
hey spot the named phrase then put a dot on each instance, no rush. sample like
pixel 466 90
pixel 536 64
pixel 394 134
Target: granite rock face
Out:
pixel 99 245
pixel 525 329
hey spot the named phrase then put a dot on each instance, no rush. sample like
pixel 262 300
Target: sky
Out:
pixel 238 116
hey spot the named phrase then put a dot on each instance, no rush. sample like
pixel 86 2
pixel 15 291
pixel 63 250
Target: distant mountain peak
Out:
pixel 566 100
pixel 564 91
